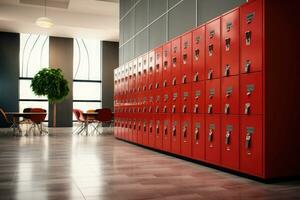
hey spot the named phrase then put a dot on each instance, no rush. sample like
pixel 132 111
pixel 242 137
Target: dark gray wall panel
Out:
pixel 9 72
pixel 208 10
pixel 125 5
pixel 173 2
pixel 121 33
pixel 157 33
pixel 109 61
pixel 128 24
pixel 141 15
pixel 141 43
pixel 182 18
pixel 121 59
pixel 156 8
pixel 128 51
pixel 61 55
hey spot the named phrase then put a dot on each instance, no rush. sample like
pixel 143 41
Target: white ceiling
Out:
pixel 72 18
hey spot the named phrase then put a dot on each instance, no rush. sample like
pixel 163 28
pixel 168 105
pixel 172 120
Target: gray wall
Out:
pixel 61 55
pixel 146 24
pixel 9 72
pixel 109 61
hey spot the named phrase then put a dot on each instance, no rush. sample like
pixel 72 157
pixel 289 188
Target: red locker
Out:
pixel 167 132
pixel 176 61
pixel 198 68
pixel 198 97
pixel 151 130
pixel 151 71
pixel 167 67
pixel 251 151
pixel 212 96
pixel 158 67
pixel 134 74
pixel 230 141
pixel 198 137
pixel 186 96
pixel 230 95
pixel 251 37
pixel 158 100
pixel 175 134
pixel 145 129
pixel 186 135
pixel 230 29
pixel 186 58
pixel 139 129
pixel 213 58
pixel 166 100
pixel 159 131
pixel 251 93
pixel 175 101
pixel 145 71
pixel 140 74
pixel 213 146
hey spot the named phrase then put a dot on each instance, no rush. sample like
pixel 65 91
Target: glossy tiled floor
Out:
pixel 62 166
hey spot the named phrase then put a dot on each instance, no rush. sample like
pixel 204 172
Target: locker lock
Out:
pixel 248 37
pixel 227 44
pixel 247 108
pixel 173 109
pixel 248 140
pixel 156 85
pixel 210 108
pixel 184 109
pixel 227 106
pixel 184 132
pixel 165 109
pixel 210 135
pixel 210 73
pixel 174 131
pixel 196 108
pixel 227 67
pixel 227 137
pixel 210 49
pixel 184 58
pixel 197 53
pixel 247 66
pixel 250 89
pixel 183 79
pixel 196 134
pixel 196 77
pixel 165 130
pixel 174 81
pixel 165 83
pixel 157 129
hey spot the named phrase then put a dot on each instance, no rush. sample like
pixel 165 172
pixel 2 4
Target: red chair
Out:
pixel 80 119
pixel 104 116
pixel 37 119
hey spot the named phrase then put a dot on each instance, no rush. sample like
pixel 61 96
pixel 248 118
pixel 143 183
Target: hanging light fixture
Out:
pixel 44 22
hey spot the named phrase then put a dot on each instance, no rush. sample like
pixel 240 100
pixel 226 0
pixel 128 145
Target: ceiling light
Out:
pixel 44 22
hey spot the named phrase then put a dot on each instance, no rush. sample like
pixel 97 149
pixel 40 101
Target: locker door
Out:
pixel 145 129
pixel 140 74
pixel 212 151
pixel 175 101
pixel 175 134
pixel 158 100
pixel 158 67
pixel 167 70
pixel 213 60
pixel 198 67
pixel 212 96
pixel 230 95
pixel 198 137
pixel 186 58
pixel 230 43
pixel 166 100
pixel 145 71
pixel 140 129
pixel 251 37
pixel 251 93
pixel 176 61
pixel 230 141
pixel 134 130
pixel 151 70
pixel 151 130
pixel 198 97
pixel 134 75
pixel 251 151
pixel 186 98
pixel 159 132
pixel 186 135
pixel 167 132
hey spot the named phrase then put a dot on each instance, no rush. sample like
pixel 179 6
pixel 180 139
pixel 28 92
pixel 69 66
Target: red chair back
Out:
pixel 38 118
pixel 104 115
pixel 78 115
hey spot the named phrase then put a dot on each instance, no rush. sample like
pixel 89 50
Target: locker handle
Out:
pixel 174 81
pixel 174 61
pixel 210 108
pixel 150 109
pixel 173 109
pixel 248 140
pixel 196 77
pixel 184 132
pixel 197 53
pixel 248 38
pixel 157 67
pixel 156 85
pixel 165 109
pixel 165 130
pixel 184 58
pixel 139 127
pixel 150 129
pixel 210 49
pixel 227 67
pixel 227 137
pixel 227 44
pixel 197 134
pixel 157 109
pixel 210 73
pixel 196 108
pixel 144 128
pixel 210 135
pixel 183 79
pixel 165 83
pixel 184 109
pixel 227 108
pixel 247 108
pixel 174 131
pixel 134 126
pixel 150 86
pixel 157 130
pixel 165 65
pixel 228 94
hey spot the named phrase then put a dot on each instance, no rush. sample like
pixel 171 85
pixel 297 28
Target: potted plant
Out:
pixel 50 82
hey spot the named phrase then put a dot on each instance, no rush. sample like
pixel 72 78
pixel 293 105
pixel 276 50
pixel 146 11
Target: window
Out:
pixel 34 55
pixel 87 75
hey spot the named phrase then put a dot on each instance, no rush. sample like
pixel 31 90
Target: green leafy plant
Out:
pixel 51 83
